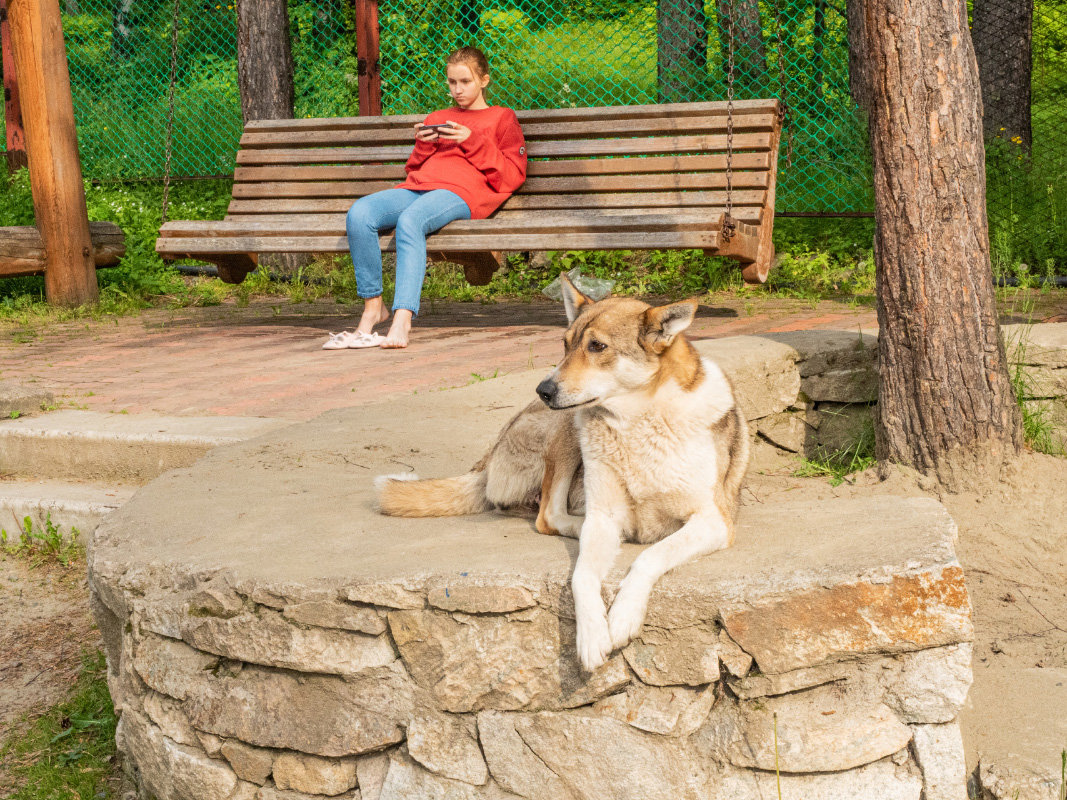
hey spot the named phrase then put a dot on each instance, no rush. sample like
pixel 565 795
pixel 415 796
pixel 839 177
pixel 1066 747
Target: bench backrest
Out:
pixel 607 160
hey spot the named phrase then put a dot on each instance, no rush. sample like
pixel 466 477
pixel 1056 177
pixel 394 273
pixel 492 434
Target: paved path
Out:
pixel 265 359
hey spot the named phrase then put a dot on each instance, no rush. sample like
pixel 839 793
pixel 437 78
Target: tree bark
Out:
pixel 682 50
pixel 52 149
pixel 122 24
pixel 946 405
pixel 1003 34
pixel 750 56
pixel 264 59
pixel 15 135
pixel 265 80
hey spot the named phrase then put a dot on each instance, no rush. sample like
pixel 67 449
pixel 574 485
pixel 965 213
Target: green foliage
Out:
pixel 42 543
pixel 1039 427
pixel 69 752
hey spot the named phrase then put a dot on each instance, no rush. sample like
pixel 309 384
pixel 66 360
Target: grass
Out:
pixel 42 543
pixel 69 752
pixel 1039 428
pixel 838 465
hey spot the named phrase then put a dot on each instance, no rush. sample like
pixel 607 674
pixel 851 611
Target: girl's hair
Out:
pixel 473 58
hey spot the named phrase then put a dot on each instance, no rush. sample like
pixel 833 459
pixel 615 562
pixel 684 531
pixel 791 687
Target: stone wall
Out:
pixel 469 688
pixel 813 392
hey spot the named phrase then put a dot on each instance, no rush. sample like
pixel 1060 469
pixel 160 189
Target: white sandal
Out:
pixel 352 340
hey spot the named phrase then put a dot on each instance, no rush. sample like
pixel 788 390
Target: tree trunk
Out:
pixel 946 405
pixel 264 59
pixel 122 24
pixel 1002 33
pixel 265 79
pixel 682 50
pixel 750 57
pixel 15 135
pixel 52 150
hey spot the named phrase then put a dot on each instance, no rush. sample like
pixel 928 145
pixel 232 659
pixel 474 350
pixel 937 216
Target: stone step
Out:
pixel 116 448
pixel 65 505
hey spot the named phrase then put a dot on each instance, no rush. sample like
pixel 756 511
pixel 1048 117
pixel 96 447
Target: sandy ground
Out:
pixel 1013 546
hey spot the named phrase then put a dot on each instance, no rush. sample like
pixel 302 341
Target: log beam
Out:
pixel 22 250
pixel 52 149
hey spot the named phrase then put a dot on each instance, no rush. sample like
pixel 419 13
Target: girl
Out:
pixel 467 161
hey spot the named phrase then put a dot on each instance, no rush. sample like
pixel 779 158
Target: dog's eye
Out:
pixel 596 347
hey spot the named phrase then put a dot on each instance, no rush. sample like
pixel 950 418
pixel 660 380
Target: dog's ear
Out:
pixel 573 300
pixel 663 323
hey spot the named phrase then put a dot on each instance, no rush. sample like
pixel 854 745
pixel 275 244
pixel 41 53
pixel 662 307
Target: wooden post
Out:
pixel 367 51
pixel 52 149
pixel 16 138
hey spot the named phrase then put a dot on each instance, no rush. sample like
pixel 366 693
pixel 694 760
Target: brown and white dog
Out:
pixel 635 428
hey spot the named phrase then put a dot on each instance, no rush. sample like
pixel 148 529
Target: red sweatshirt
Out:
pixel 485 169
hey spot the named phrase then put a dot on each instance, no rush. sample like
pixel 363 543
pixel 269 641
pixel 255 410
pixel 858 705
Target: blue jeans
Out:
pixel 414 215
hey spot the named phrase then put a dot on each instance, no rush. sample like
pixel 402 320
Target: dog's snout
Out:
pixel 547 390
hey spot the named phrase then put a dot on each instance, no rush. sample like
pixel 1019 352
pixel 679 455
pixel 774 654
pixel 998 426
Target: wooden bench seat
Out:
pixel 620 178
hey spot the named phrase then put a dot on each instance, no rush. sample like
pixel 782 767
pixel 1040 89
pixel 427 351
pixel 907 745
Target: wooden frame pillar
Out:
pixel 52 149
pixel 367 52
pixel 16 137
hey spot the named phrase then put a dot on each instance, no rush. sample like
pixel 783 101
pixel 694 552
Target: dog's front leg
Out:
pixel 598 546
pixel 705 532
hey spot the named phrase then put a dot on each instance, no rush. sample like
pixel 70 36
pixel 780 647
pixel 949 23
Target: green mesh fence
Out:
pixel 619 52
pixel 582 52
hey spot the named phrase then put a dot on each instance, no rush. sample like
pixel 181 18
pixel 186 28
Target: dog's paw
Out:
pixel 570 526
pixel 627 614
pixel 594 642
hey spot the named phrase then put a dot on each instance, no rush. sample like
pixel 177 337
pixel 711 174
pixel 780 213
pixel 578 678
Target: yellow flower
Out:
pixel 1017 139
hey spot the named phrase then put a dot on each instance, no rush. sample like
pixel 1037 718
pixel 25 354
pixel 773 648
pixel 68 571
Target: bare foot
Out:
pixel 374 313
pixel 398 331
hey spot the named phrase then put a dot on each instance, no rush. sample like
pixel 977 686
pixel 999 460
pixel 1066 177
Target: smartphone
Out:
pixel 436 127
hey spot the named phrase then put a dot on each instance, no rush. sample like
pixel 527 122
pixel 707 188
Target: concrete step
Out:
pixel 116 448
pixel 66 505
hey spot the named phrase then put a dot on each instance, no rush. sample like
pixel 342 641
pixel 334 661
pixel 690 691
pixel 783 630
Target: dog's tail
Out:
pixel 408 496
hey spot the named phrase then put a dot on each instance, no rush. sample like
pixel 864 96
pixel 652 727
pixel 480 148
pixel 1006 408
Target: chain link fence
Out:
pixel 583 52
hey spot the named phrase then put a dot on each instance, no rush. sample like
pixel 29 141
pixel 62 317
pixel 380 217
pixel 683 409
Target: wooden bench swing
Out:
pixel 650 177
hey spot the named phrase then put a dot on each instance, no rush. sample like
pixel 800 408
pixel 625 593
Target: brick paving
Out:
pixel 266 359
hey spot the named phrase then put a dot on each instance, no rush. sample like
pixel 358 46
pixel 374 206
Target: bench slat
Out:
pixel 532 132
pixel 621 200
pixel 557 224
pixel 562 167
pixel 609 240
pixel 576 147
pixel 748 214
pixel 589 113
pixel 591 183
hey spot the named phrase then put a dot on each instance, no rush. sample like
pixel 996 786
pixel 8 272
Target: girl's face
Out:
pixel 464 86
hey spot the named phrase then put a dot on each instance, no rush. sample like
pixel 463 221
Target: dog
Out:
pixel 634 430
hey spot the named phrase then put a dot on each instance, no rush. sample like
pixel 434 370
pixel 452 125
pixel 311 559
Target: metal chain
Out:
pixel 728 220
pixel 169 136
pixel 783 109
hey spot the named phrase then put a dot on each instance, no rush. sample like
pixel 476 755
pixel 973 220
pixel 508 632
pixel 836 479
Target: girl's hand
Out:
pixel 424 134
pixel 457 133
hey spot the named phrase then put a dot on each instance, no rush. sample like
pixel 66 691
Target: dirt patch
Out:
pixel 1013 547
pixel 45 626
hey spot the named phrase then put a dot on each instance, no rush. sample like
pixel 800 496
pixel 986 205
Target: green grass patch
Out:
pixel 42 543
pixel 69 752
pixel 838 465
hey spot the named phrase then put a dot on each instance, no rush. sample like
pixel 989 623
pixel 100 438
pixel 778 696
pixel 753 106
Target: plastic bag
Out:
pixel 595 288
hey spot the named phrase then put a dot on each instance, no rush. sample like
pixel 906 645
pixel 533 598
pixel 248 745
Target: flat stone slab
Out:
pixel 66 505
pixel 256 604
pixel 18 399
pixel 124 448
